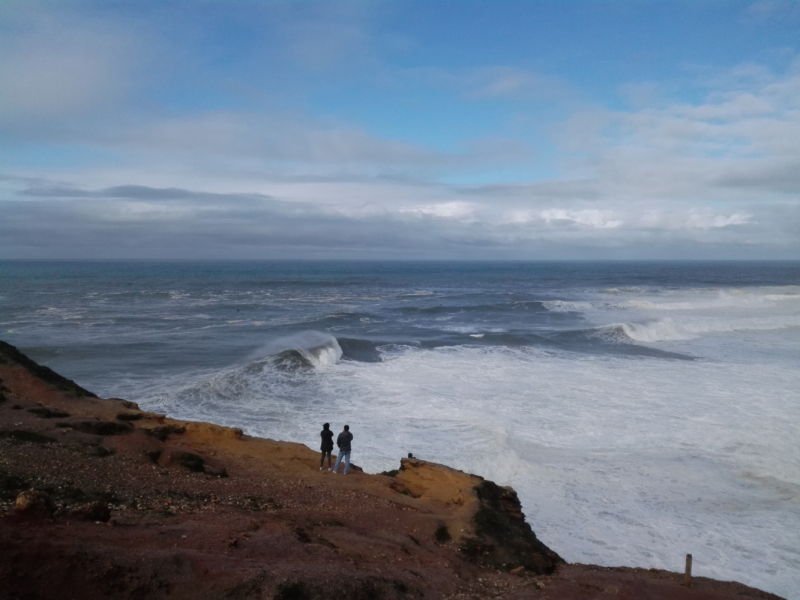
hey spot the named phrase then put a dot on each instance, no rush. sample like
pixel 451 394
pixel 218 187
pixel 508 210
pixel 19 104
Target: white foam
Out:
pixel 627 463
pixel 669 329
pixel 618 461
pixel 317 348
pixel 566 306
pixel 764 299
pixel 323 356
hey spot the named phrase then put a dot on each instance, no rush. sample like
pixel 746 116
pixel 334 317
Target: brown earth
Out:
pixel 99 499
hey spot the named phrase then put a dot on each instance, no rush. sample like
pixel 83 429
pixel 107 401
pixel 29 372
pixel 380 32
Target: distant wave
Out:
pixel 662 330
pixel 531 305
pixel 315 349
pixel 305 348
pixel 566 306
pixel 688 300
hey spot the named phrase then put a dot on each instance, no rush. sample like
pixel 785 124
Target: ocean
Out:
pixel 642 410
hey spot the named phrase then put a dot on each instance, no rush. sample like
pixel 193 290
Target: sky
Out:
pixel 500 130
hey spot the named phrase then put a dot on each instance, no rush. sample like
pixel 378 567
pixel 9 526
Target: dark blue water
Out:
pixel 161 316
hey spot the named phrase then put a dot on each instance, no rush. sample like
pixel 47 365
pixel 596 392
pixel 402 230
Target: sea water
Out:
pixel 642 411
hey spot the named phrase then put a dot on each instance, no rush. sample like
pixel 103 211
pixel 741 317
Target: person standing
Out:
pixel 327 445
pixel 343 442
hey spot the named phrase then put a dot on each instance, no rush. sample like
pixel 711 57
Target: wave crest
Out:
pixel 663 330
pixel 305 348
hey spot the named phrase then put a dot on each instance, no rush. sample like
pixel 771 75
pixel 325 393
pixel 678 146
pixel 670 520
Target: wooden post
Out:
pixel 687 577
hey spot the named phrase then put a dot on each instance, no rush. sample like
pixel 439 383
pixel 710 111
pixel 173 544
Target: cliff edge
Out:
pixel 99 499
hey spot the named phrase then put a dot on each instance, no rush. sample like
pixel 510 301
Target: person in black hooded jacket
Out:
pixel 327 445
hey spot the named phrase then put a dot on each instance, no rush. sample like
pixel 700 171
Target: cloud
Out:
pixel 144 222
pixel 56 66
pixel 692 219
pixel 742 143
pixel 239 160
pixel 460 211
pixel 591 218
pixel 765 10
pixel 287 136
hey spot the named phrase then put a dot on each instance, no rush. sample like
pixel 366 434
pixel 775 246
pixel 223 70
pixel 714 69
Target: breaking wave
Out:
pixel 768 298
pixel 530 305
pixel 305 348
pixel 663 330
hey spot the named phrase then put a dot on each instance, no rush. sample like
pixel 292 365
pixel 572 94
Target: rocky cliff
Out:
pixel 99 499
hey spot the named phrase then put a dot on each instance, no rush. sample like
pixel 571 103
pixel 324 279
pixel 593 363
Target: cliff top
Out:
pixel 101 499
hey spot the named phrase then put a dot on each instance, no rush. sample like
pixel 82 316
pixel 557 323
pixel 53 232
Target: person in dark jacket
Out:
pixel 343 441
pixel 327 445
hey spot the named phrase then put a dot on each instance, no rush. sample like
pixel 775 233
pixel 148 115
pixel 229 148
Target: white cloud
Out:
pixel 460 211
pixel 691 219
pixel 743 140
pixel 597 219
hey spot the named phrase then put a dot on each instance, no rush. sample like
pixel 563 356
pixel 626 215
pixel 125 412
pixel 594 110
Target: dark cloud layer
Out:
pixel 142 222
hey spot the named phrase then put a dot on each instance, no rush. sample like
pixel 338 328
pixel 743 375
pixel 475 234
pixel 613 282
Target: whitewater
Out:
pixel 642 411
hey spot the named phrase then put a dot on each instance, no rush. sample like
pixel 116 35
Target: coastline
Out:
pixel 129 503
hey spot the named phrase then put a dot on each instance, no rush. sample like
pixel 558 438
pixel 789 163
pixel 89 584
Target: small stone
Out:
pixel 94 511
pixel 32 501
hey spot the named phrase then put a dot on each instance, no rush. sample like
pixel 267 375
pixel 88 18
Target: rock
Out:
pixel 11 355
pixel 32 502
pixel 98 427
pixel 125 403
pixel 94 511
pixel 128 416
pixel 163 433
pixel 442 534
pixel 301 535
pixel 19 436
pixel 48 413
pixel 503 537
pixel 215 471
pixel 210 432
pixel 193 462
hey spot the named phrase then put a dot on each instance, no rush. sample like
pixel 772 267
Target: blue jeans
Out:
pixel 346 455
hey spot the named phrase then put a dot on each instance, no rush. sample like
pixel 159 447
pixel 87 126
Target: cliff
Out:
pixel 99 499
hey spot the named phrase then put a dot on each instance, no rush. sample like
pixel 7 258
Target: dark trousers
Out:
pixel 322 458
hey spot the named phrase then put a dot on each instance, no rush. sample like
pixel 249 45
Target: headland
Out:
pixel 99 499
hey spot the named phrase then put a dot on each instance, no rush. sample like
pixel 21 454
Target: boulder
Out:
pixel 34 502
